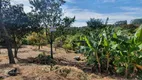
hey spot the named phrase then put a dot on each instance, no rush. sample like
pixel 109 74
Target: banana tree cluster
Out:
pixel 114 50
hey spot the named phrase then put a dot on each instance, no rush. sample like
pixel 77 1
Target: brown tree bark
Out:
pixel 15 46
pixel 15 50
pixel 6 38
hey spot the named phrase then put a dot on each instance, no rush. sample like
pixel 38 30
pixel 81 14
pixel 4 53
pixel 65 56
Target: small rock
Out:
pixel 13 72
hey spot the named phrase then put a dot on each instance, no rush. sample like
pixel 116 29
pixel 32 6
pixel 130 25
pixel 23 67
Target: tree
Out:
pixel 136 22
pixel 16 22
pixel 34 22
pixel 3 5
pixel 65 25
pixel 107 21
pixel 50 12
pixel 94 23
pixel 121 23
pixel 67 21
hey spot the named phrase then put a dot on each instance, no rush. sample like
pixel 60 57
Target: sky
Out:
pixel 83 10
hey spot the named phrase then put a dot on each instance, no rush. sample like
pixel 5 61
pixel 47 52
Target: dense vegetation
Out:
pixel 111 49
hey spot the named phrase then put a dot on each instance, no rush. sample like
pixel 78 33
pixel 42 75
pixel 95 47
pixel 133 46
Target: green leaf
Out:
pixel 105 42
pixel 119 32
pixel 121 53
pixel 115 35
pixel 138 35
pixel 100 41
pixel 120 69
pixel 88 43
pixel 114 46
pixel 105 38
pixel 140 46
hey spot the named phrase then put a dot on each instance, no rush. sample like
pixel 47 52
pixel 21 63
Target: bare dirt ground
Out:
pixel 66 69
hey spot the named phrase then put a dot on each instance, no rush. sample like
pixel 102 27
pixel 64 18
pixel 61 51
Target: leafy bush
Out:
pixel 95 23
pixel 25 42
pixel 38 39
pixel 70 42
pixel 59 41
pixel 44 59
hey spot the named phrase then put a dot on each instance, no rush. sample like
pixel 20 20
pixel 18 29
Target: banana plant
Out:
pixel 92 49
pixel 129 48
pixel 117 46
pixel 107 44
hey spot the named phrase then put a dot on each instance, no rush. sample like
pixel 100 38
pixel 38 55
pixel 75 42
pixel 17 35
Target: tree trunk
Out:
pixel 51 42
pixel 126 70
pixel 108 60
pixel 15 51
pixel 38 47
pixel 15 47
pixel 6 38
pixel 98 60
pixel 10 54
pixel 46 31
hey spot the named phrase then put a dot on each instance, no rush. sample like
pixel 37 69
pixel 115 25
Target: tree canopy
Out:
pixel 120 23
pixel 94 23
pixel 136 22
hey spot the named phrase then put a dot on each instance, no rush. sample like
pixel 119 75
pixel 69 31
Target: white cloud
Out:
pixel 131 8
pixel 27 5
pixel 84 15
pixel 27 9
pixel 25 2
pixel 79 24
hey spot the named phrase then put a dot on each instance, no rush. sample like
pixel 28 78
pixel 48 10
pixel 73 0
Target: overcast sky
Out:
pixel 85 9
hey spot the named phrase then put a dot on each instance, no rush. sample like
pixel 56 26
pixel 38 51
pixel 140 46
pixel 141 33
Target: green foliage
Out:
pixel 121 23
pixel 72 42
pixel 68 46
pixel 50 11
pixel 138 35
pixel 16 21
pixel 38 39
pixel 59 41
pixel 44 59
pixel 68 42
pixel 114 48
pixel 94 23
pixel 25 41
pixel 67 21
pixel 136 22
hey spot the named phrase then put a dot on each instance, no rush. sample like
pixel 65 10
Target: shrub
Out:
pixel 44 59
